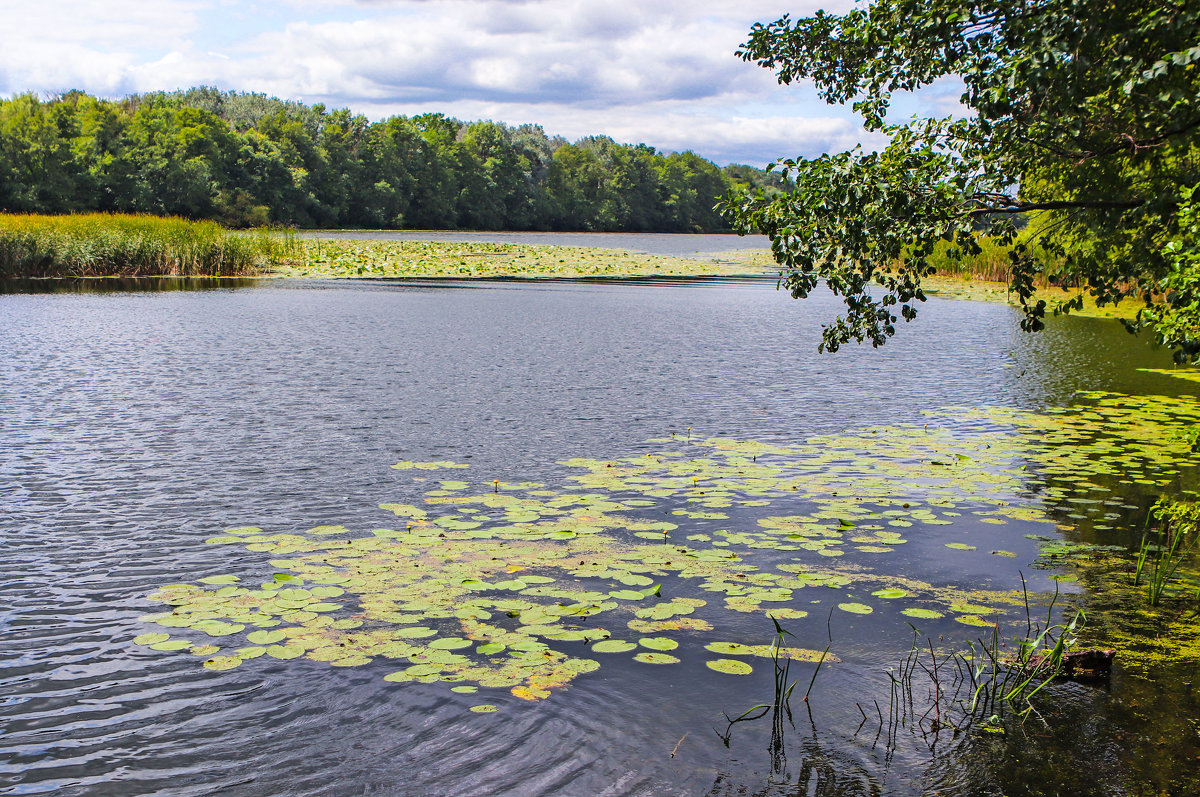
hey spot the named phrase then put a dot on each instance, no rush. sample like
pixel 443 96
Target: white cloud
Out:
pixel 660 71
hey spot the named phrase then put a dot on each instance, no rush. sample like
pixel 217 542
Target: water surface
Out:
pixel 137 425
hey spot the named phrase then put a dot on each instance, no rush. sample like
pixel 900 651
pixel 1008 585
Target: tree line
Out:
pixel 247 159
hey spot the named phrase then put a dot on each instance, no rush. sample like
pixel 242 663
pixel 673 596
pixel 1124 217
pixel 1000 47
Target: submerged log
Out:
pixel 1087 665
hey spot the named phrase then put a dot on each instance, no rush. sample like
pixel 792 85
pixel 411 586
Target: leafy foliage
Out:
pixel 1077 146
pixel 251 160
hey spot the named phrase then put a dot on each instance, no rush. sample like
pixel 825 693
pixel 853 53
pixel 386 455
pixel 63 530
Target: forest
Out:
pixel 248 160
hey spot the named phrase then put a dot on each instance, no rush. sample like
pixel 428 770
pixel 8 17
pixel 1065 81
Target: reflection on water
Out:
pixel 135 427
pixel 120 284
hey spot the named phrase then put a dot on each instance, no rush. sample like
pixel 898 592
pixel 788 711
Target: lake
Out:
pixel 612 496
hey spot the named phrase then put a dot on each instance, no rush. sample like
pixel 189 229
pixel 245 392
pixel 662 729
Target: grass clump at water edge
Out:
pixel 104 245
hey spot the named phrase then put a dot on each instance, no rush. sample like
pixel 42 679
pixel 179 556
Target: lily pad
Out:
pixel 658 643
pixel 729 666
pixel 922 614
pixel 613 646
pixel 450 643
pixel 171 644
pixel 285 651
pixel 656 658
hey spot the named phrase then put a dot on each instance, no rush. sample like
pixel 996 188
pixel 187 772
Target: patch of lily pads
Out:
pixel 493 584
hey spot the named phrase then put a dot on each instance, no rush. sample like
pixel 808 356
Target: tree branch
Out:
pixel 1065 204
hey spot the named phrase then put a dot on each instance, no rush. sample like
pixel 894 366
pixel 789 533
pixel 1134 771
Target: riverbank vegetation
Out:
pixel 248 160
pixel 102 245
pixel 118 245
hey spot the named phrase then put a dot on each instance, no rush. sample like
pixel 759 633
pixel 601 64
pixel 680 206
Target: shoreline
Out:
pixel 304 257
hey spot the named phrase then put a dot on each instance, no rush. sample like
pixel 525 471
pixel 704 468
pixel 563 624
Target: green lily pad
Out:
pixel 171 644
pixel 613 646
pixel 658 643
pixel 484 708
pixel 656 658
pixel 855 608
pixel 922 614
pixel 265 637
pixel 222 663
pixel 729 666
pixel 450 643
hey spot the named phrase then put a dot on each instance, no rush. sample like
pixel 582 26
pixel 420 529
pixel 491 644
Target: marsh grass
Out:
pixel 1163 549
pixel 114 245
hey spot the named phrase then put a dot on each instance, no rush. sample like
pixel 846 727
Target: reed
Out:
pixel 116 245
pixel 993 264
pixel 1163 549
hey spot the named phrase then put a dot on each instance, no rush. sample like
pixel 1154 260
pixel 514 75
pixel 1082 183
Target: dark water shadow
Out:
pixel 26 285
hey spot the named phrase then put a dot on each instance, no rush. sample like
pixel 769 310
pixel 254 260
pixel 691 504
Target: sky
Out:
pixel 660 72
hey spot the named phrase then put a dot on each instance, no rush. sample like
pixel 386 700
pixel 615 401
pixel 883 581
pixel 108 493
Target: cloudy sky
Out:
pixel 660 72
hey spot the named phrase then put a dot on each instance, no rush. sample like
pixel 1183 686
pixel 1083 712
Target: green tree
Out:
pixel 690 183
pixel 35 156
pixel 1078 137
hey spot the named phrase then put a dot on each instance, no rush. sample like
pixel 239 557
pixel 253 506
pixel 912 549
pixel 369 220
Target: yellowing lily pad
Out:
pixel 285 651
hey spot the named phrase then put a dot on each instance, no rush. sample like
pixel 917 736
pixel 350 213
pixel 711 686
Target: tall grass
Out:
pixel 104 245
pixel 992 264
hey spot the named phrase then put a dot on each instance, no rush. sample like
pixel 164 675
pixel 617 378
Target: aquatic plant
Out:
pixel 1166 546
pixel 342 258
pixel 1000 682
pixel 780 707
pixel 523 586
pixel 101 244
